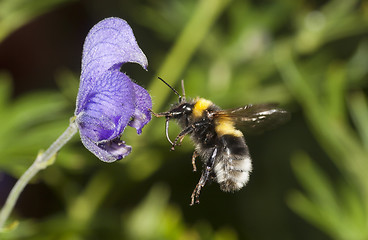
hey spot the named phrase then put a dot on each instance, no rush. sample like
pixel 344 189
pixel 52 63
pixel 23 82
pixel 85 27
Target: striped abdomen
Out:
pixel 233 165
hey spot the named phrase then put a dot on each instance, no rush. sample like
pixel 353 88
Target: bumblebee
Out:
pixel 220 145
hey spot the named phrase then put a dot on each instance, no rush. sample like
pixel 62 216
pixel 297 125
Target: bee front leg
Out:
pixel 186 131
pixel 163 114
pixel 206 172
pixel 181 136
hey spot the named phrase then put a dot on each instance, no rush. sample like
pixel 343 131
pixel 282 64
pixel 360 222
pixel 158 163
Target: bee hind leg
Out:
pixel 206 173
pixel 194 156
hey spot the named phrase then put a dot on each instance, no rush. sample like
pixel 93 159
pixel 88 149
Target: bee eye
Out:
pixel 187 108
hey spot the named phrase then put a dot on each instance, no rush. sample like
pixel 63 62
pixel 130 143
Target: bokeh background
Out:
pixel 310 176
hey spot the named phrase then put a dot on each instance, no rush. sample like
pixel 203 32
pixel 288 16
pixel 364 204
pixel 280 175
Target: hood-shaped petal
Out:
pixel 108 45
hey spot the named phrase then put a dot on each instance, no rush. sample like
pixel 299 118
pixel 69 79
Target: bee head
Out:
pixel 180 110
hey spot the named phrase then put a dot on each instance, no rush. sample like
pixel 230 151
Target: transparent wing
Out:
pixel 256 117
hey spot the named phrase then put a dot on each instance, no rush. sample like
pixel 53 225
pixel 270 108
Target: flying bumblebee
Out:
pixel 220 145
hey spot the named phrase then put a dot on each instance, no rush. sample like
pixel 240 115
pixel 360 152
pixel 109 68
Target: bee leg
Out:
pixel 206 172
pixel 195 155
pixel 181 136
pixel 163 114
pixel 185 132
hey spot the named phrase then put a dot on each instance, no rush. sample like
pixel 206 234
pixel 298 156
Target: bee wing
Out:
pixel 256 117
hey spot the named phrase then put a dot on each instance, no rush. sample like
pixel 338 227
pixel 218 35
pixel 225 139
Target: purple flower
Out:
pixel 108 100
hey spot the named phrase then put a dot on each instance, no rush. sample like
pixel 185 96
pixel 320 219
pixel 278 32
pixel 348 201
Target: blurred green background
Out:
pixel 310 175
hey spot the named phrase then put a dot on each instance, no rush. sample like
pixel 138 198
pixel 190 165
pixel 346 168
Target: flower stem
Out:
pixel 43 160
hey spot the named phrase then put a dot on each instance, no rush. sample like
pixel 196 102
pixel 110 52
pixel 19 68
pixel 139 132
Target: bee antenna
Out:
pixel 183 89
pixel 173 89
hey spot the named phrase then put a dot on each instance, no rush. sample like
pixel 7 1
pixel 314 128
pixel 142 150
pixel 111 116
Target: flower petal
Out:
pixel 111 42
pixel 108 107
pixel 143 103
pixel 107 151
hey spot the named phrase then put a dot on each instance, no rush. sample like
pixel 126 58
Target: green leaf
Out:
pixel 27 125
pixel 16 13
pixel 320 192
pixel 358 107
pixel 340 214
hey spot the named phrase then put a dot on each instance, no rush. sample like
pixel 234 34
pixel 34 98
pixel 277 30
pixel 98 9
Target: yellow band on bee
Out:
pixel 226 127
pixel 201 105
